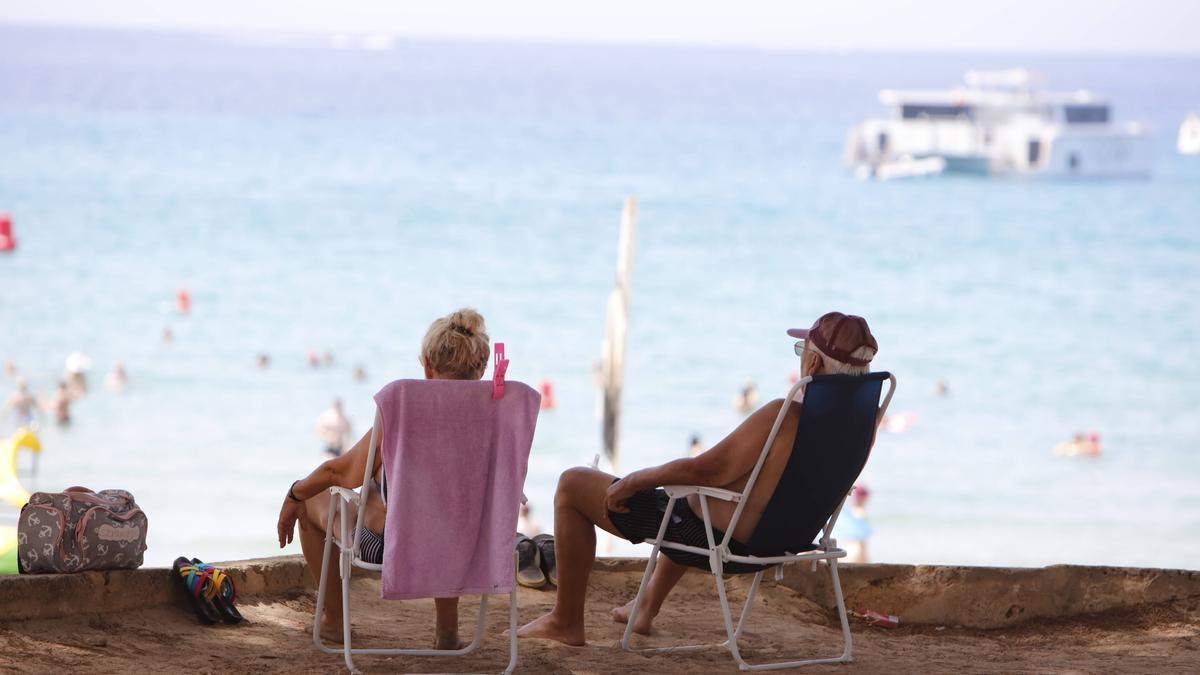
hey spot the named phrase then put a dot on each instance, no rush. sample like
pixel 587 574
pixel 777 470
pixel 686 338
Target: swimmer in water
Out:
pixel 60 405
pixel 75 374
pixel 747 399
pixel 695 447
pixel 115 381
pixel 183 301
pixel 546 388
pixel 22 404
pixel 333 428
pixel 1080 445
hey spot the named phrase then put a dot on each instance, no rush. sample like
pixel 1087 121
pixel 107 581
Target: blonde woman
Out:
pixel 456 347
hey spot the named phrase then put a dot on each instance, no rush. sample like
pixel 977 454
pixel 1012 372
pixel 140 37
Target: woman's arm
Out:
pixel 344 471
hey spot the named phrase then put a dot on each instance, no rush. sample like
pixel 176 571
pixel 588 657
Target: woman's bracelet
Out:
pixel 291 494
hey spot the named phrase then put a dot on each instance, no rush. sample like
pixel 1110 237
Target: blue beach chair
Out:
pixel 837 427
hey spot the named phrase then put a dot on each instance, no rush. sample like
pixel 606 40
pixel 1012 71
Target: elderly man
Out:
pixel 632 507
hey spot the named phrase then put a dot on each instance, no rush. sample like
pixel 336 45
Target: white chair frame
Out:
pixel 718 554
pixel 350 556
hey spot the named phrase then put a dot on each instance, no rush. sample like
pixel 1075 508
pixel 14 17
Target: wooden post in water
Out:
pixel 615 333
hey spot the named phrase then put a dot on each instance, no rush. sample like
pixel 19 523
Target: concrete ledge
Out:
pixel 973 597
pixel 51 596
pixel 993 597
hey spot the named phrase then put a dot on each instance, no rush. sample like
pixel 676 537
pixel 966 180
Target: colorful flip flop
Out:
pixel 197 584
pixel 226 593
pixel 545 545
pixel 529 563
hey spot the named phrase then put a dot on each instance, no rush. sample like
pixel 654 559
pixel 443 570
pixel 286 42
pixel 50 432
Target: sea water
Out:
pixel 319 199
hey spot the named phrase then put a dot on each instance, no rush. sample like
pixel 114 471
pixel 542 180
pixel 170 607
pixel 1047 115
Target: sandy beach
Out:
pixel 1148 621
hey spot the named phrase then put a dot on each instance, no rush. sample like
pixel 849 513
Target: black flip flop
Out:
pixel 545 544
pixel 193 583
pixel 225 597
pixel 529 563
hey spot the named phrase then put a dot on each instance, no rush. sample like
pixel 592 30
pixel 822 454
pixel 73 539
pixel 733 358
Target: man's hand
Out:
pixel 619 493
pixel 288 515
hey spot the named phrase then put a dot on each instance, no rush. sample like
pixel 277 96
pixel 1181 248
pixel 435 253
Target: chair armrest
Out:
pixel 684 490
pixel 345 493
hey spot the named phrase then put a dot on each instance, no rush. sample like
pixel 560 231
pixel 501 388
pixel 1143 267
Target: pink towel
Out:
pixel 454 462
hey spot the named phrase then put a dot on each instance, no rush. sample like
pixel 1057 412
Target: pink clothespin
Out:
pixel 499 365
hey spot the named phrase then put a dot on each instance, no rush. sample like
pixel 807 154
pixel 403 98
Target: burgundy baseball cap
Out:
pixel 838 336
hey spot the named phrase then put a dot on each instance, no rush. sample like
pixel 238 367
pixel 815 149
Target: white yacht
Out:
pixel 1189 136
pixel 999 123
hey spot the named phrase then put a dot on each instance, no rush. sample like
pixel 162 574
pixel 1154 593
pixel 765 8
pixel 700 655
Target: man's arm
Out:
pixel 727 461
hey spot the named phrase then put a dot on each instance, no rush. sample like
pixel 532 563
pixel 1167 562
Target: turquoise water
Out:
pixel 320 199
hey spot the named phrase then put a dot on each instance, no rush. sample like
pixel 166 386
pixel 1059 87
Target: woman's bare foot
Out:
pixel 644 621
pixel 548 627
pixel 449 642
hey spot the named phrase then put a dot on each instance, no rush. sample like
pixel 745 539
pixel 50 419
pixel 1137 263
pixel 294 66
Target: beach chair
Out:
pixel 836 431
pixel 505 464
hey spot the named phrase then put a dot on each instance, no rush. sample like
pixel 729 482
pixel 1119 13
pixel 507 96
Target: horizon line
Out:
pixel 219 31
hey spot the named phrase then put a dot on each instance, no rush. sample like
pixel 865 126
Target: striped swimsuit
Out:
pixel 370 544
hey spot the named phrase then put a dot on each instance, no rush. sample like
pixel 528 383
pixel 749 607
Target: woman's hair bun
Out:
pixel 466 322
pixel 457 345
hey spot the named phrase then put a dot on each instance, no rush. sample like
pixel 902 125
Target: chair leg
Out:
pixel 748 606
pixel 734 635
pixel 479 626
pixel 325 562
pixel 346 568
pixel 847 650
pixel 512 624
pixel 719 574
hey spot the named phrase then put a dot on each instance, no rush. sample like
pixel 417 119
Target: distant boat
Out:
pixel 999 123
pixel 903 167
pixel 1189 136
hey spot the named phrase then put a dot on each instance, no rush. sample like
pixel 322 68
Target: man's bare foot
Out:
pixel 548 627
pixel 331 631
pixel 449 642
pixel 644 621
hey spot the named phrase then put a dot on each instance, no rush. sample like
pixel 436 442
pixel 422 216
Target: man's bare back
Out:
pixel 740 450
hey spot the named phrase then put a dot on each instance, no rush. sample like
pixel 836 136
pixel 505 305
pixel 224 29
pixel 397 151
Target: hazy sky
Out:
pixel 1036 25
